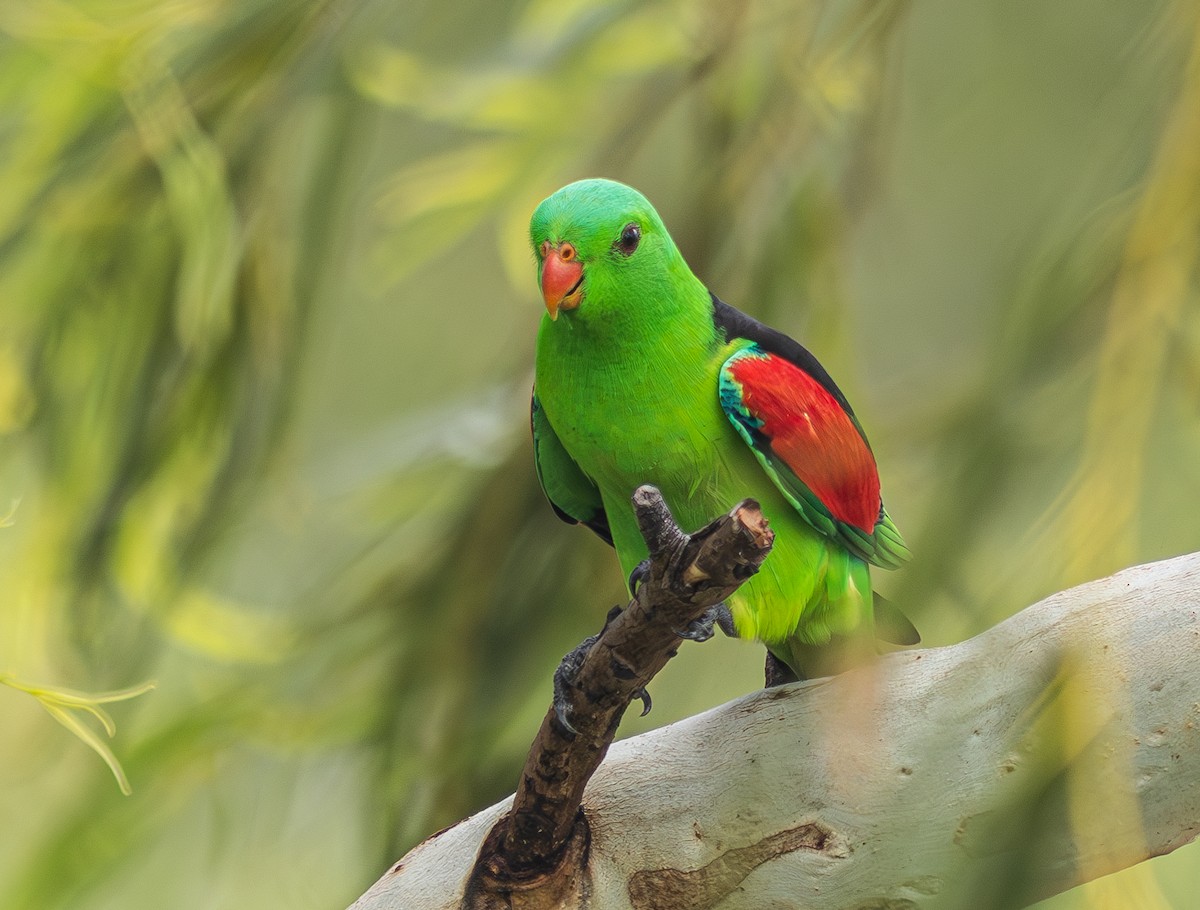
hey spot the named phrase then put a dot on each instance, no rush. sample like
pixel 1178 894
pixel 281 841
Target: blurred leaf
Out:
pixel 197 197
pixel 61 705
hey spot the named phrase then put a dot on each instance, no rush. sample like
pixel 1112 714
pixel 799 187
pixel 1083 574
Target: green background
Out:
pixel 267 313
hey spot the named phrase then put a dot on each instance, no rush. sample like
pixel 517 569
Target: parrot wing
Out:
pixel 805 435
pixel 573 496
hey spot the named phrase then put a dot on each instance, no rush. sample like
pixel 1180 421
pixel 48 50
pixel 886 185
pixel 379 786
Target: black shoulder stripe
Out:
pixel 736 324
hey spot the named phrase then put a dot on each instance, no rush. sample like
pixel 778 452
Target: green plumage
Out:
pixel 627 393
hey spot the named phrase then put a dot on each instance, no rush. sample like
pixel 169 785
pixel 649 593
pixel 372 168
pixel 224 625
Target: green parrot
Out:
pixel 644 376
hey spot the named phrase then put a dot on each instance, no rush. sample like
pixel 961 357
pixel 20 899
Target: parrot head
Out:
pixel 600 247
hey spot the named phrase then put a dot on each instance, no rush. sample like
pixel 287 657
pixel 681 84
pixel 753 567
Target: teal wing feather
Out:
pixel 573 496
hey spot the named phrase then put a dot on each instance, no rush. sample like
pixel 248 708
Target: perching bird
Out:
pixel 644 376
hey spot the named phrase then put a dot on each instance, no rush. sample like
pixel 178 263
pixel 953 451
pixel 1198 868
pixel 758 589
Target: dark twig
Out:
pixel 533 856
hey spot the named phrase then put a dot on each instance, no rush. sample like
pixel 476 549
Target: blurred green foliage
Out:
pixel 266 326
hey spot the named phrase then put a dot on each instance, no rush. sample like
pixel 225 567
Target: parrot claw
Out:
pixel 697 630
pixel 645 698
pixel 638 576
pixel 562 710
pixel 702 629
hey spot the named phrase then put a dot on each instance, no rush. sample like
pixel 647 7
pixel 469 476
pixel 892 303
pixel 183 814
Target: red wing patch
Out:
pixel 809 431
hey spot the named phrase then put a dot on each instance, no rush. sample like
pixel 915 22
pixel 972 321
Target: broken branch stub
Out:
pixel 536 855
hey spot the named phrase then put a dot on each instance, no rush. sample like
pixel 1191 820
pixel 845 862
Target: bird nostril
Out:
pixel 566 252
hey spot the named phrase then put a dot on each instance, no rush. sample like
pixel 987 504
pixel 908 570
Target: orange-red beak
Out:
pixel 562 277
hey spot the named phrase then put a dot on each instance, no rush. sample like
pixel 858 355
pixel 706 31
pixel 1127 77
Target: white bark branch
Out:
pixel 1057 747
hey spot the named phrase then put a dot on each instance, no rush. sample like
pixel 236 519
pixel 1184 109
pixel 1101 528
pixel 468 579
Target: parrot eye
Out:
pixel 628 241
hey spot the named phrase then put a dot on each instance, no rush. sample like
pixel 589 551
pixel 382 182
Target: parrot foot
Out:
pixel 701 629
pixel 568 671
pixel 639 575
pixel 778 673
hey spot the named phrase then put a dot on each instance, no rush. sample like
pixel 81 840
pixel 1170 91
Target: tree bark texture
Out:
pixel 1059 746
